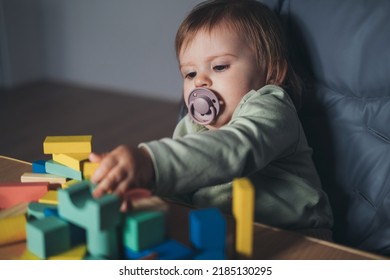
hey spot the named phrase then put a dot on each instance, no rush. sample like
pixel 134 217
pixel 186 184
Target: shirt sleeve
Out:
pixel 263 128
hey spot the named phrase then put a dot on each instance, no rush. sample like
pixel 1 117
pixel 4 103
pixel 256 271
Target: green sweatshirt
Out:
pixel 263 141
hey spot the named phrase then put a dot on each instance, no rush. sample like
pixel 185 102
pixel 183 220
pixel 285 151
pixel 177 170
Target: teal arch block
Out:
pixel 48 236
pixel 53 167
pixel 143 229
pixel 207 229
pixel 77 205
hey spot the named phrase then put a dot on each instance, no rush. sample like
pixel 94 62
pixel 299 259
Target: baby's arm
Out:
pixel 122 169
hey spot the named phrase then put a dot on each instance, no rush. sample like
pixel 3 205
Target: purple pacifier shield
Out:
pixel 203 106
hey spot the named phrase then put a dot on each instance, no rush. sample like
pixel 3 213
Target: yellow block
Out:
pixel 73 161
pixel 76 253
pixel 28 256
pixel 89 169
pixel 243 211
pixel 69 183
pixel 38 177
pixel 12 229
pixel 68 144
pixel 50 198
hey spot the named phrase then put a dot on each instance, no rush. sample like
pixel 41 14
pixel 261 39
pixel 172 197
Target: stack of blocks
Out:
pixel 69 157
pixel 68 223
pixel 57 233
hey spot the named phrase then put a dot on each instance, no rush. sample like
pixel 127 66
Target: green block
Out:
pixel 35 209
pixel 56 168
pixel 103 244
pixel 48 236
pixel 142 230
pixel 77 205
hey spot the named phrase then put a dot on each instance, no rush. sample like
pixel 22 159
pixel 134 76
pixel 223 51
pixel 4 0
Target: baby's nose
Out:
pixel 202 80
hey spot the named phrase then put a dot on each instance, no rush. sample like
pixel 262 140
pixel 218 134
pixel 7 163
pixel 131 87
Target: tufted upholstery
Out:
pixel 342 51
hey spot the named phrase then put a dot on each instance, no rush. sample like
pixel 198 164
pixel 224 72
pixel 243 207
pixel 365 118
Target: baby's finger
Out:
pixel 122 188
pixel 93 157
pixel 110 182
pixel 124 206
pixel 107 164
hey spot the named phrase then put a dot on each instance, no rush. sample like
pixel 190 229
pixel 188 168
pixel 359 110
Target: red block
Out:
pixel 12 194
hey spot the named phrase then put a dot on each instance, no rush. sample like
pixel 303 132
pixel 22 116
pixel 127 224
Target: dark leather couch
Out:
pixel 341 48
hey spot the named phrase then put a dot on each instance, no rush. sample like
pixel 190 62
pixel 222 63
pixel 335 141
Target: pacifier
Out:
pixel 203 106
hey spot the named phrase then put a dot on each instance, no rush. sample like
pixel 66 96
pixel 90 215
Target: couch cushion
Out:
pixel 342 51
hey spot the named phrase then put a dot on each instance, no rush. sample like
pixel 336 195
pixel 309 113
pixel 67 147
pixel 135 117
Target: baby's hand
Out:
pixel 122 169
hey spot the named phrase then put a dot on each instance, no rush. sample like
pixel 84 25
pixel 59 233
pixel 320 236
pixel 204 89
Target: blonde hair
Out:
pixel 257 25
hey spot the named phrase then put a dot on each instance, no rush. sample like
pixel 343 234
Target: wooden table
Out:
pixel 269 242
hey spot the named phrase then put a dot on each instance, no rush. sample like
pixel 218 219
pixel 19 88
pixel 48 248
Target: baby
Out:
pixel 242 97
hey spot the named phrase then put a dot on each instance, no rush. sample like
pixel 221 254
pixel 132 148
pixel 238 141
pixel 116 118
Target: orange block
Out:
pixel 12 194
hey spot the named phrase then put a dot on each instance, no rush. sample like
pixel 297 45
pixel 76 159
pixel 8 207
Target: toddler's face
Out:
pixel 222 62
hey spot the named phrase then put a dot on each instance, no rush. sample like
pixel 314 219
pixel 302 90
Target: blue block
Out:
pixel 136 255
pixel 207 229
pixel 169 250
pixel 38 166
pixel 210 255
pixel 172 250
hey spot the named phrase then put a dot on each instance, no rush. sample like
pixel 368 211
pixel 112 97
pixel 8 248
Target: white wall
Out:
pixel 126 45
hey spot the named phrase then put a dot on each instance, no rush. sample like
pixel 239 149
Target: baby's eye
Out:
pixel 220 68
pixel 190 75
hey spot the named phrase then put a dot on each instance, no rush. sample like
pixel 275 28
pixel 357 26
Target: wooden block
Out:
pixel 172 250
pixel 89 168
pixel 77 234
pixel 38 166
pixel 243 212
pixel 68 144
pixel 77 205
pixel 67 184
pixel 74 161
pixel 36 210
pixel 47 237
pixel 13 229
pixel 143 229
pixel 29 256
pixel 51 197
pixel 12 194
pixel 49 178
pixel 210 255
pixel 103 243
pixel 18 209
pixel 59 169
pixel 135 255
pixel 207 229
pixel 168 250
pixel 75 253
